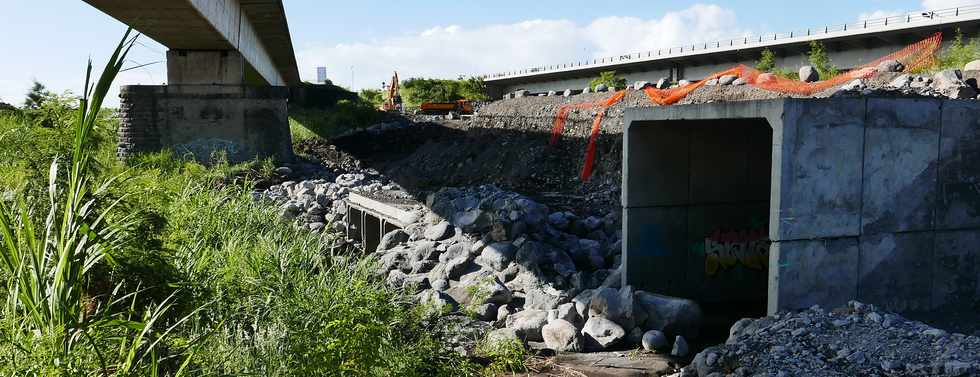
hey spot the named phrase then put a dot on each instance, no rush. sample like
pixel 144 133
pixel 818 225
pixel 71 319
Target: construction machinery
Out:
pixel 451 109
pixel 393 101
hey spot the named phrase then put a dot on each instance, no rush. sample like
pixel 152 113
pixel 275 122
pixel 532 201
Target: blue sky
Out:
pixel 51 40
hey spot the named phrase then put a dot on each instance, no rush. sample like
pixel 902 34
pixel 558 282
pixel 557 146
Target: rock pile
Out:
pixel 549 278
pixel 854 341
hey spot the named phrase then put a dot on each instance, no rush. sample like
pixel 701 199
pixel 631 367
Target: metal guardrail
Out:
pixel 885 23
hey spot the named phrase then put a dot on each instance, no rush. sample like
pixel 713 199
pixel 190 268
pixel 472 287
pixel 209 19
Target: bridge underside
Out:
pixel 253 31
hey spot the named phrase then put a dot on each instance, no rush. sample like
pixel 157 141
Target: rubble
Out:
pixel 857 340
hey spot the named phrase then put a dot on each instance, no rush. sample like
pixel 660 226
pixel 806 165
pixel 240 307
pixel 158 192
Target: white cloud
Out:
pixel 878 14
pixel 942 4
pixel 452 50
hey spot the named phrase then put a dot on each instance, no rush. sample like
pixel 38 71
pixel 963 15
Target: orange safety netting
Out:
pixel 915 56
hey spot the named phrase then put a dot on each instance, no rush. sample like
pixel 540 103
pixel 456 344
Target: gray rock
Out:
pixel 503 336
pixel 528 324
pixel 568 313
pixel 809 74
pixel 663 83
pixel 283 171
pixel 552 93
pixel 317 226
pixel 671 315
pixel 739 82
pixel 587 90
pixel 683 83
pixel 639 85
pixel 712 82
pixel 727 79
pixel 900 82
pixel 392 239
pixel 601 333
pixel 950 83
pixel 562 336
pixel 655 340
pixel 486 312
pixel 567 93
pixel 438 302
pixel 438 232
pixel 581 302
pixel 497 255
pixel 544 297
pixel 521 94
pixel 560 220
pixel 681 348
pixel 616 305
pixel 853 86
pixel 972 66
pixel 890 66
pixel 601 88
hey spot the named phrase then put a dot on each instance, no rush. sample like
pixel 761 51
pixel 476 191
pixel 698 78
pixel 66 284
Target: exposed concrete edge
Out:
pixel 390 213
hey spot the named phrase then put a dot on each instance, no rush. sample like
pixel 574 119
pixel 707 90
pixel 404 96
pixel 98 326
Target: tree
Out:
pixel 821 61
pixel 608 78
pixel 372 96
pixel 36 96
pixel 767 62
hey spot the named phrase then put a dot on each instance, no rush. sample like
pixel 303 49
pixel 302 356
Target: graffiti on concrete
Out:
pixel 724 249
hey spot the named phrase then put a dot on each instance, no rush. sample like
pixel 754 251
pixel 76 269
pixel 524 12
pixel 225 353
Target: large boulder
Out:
pixel 663 83
pixel 972 66
pixel 528 324
pixel 544 297
pixel 439 231
pixel 950 83
pixel 497 255
pixel 727 79
pixel 654 340
pixel 437 302
pixel 672 315
pixel 601 333
pixel 562 336
pixel 480 288
pixel 615 305
pixel 601 88
pixel 809 74
pixel 890 65
pixel 392 239
pixel 552 261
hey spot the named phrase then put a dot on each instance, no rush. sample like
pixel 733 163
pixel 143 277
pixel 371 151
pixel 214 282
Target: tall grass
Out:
pixel 46 265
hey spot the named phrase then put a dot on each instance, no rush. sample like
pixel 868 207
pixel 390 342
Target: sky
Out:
pixel 362 42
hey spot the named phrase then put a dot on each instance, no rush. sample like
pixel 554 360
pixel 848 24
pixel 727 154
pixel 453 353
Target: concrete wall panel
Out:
pixel 810 272
pixel 655 245
pixel 659 172
pixel 820 179
pixel 957 269
pixel 895 270
pixel 959 171
pixel 901 148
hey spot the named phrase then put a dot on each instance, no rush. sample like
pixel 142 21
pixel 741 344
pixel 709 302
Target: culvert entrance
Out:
pixel 697 213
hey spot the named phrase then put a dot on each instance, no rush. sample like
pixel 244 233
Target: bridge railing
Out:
pixel 883 23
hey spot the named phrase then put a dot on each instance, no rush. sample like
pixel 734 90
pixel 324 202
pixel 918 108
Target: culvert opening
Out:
pixel 696 214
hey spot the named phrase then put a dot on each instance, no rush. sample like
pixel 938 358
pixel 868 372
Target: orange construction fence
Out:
pixel 916 56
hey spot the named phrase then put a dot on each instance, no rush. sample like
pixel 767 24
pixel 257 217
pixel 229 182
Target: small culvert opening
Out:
pixel 697 210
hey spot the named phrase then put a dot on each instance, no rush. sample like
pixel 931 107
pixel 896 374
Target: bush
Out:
pixel 416 91
pixel 767 62
pixel 608 78
pixel 821 61
pixel 959 53
pixel 372 96
pixel 306 123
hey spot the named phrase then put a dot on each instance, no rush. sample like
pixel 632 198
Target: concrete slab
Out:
pixel 895 270
pixel 655 245
pixel 901 145
pixel 819 185
pixel 957 269
pixel 663 178
pixel 958 203
pixel 810 272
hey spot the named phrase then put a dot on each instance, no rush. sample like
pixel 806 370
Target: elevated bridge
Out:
pixel 215 41
pixel 229 65
pixel 848 45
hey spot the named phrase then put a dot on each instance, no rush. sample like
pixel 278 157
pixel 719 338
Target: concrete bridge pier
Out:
pixel 214 104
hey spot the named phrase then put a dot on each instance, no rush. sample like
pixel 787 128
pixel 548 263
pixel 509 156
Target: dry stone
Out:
pixel 601 333
pixel 562 336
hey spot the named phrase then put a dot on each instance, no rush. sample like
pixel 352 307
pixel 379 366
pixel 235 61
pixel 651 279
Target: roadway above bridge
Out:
pixel 215 41
pixel 848 45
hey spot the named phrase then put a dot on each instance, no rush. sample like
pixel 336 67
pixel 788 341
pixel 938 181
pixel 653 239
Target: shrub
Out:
pixel 959 52
pixel 308 123
pixel 767 62
pixel 821 61
pixel 608 78
pixel 372 96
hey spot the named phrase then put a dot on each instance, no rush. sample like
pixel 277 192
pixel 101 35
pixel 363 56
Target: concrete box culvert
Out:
pixel 805 201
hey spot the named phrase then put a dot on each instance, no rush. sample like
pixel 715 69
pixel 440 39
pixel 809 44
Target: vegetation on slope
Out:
pixel 161 266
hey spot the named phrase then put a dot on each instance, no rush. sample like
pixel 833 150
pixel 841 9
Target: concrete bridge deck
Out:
pixel 849 45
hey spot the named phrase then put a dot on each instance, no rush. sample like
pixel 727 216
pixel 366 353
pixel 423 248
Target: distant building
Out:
pixel 321 75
